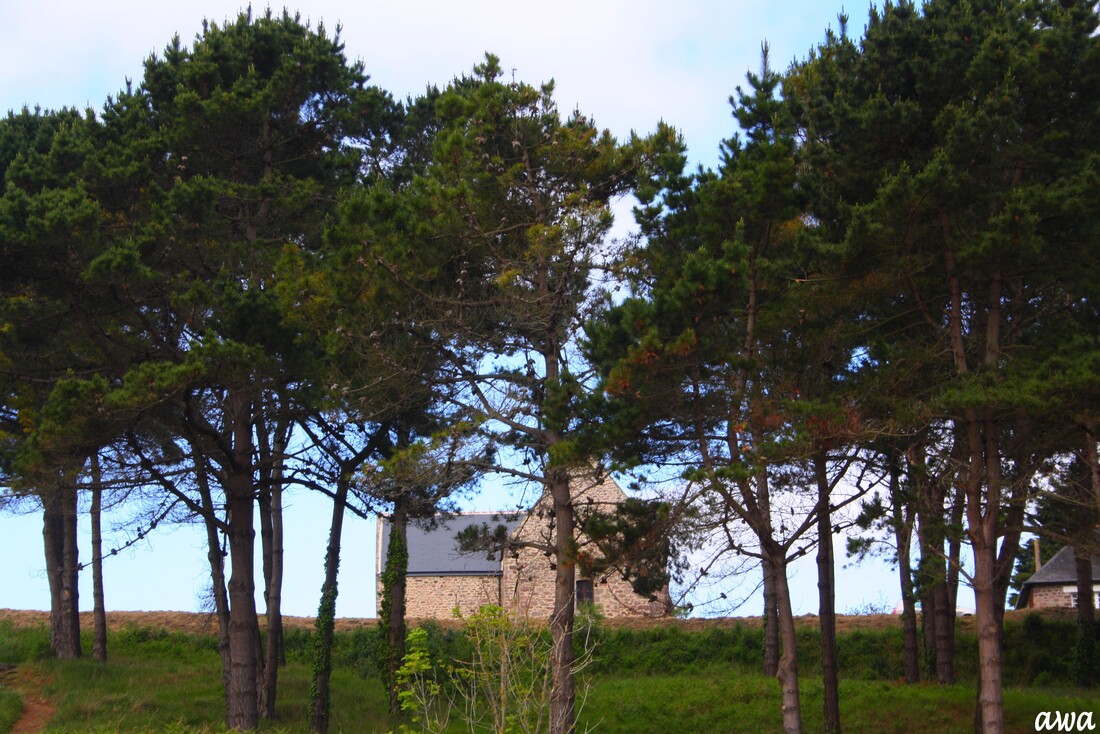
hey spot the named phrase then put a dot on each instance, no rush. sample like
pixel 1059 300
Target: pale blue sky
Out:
pixel 628 64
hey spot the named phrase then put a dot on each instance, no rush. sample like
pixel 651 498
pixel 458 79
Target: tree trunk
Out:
pixel 989 645
pixel 244 629
pixel 1093 461
pixel 787 674
pixel 272 531
pixel 59 537
pixel 99 613
pixel 397 562
pixel 771 619
pixel 928 632
pixel 53 530
pixel 983 509
pixel 903 536
pixel 944 629
pixel 826 597
pixel 563 694
pixel 938 618
pixel 319 699
pixel 1084 663
pixel 911 653
pixel 954 561
pixel 216 558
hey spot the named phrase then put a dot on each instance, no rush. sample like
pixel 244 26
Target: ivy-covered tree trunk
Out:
pixel 325 624
pixel 392 613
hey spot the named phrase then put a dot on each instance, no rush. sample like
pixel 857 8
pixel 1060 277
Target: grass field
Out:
pixel 662 679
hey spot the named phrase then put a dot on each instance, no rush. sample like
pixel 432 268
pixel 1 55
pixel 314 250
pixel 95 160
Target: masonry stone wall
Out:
pixel 1048 596
pixel 435 597
pixel 1055 595
pixel 528 582
pixel 526 586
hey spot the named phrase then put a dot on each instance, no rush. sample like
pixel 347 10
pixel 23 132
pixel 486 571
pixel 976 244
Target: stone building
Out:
pixel 1055 583
pixel 442 577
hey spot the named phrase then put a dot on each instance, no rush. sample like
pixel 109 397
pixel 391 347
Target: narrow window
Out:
pixel 585 593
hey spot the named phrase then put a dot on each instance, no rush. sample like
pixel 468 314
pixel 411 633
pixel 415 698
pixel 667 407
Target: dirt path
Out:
pixel 37 710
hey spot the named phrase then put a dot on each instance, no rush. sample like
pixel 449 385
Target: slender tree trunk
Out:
pixel 397 560
pixel 270 504
pixel 771 619
pixel 1084 663
pixel 928 633
pixel 563 694
pixel 826 592
pixel 787 674
pixel 911 650
pixel 771 575
pixel 937 617
pixel 272 531
pixel 319 698
pixel 99 612
pixel 954 563
pixel 1093 460
pixel 70 590
pixel 1087 664
pixel 903 536
pixel 989 646
pixel 215 556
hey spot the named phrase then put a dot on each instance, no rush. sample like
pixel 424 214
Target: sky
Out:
pixel 625 64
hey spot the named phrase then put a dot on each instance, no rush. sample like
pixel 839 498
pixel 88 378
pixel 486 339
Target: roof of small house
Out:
pixel 1061 569
pixel 434 549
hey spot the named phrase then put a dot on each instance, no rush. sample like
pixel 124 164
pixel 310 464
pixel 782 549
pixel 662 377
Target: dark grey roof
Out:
pixel 434 551
pixel 1061 569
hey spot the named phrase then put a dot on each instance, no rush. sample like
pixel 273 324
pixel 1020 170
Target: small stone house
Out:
pixel 441 577
pixel 1055 583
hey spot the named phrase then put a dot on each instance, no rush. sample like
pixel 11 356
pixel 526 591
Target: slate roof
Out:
pixel 1061 569
pixel 433 548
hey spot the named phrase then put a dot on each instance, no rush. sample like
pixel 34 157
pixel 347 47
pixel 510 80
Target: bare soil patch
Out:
pixel 37 711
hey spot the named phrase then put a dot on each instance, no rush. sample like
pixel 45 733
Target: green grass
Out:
pixel 723 700
pixel 657 680
pixel 11 707
pixel 154 687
